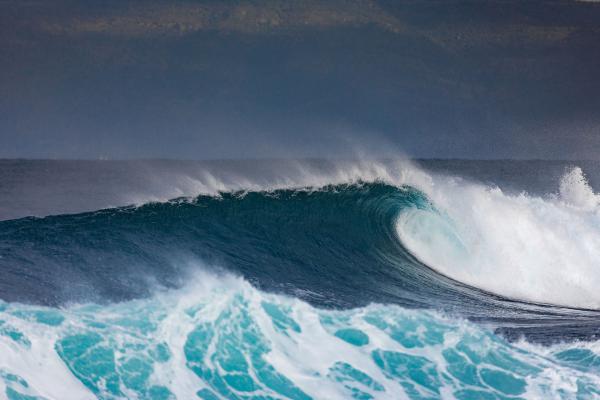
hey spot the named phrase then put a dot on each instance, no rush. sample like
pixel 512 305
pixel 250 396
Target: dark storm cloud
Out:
pixel 209 79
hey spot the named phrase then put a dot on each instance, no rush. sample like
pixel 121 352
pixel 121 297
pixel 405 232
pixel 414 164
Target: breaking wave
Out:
pixel 370 282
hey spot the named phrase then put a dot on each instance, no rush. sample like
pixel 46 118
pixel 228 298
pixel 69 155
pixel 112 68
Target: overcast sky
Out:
pixel 227 79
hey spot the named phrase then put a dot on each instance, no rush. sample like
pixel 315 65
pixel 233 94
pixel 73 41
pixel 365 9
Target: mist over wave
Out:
pixel 48 187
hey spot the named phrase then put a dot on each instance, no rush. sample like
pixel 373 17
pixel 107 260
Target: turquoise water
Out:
pixel 220 338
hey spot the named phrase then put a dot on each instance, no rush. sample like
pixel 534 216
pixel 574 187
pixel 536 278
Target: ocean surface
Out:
pixel 306 279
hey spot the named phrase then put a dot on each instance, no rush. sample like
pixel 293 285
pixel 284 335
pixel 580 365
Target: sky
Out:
pixel 122 79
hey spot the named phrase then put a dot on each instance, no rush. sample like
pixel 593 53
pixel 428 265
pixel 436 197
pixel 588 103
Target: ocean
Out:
pixel 299 279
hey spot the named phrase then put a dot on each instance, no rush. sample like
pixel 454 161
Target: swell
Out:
pixel 328 245
pixel 333 247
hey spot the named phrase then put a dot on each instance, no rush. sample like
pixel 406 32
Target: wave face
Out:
pixel 222 338
pixel 378 282
pixel 333 246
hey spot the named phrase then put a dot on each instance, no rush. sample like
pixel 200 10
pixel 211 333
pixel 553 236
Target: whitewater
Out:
pixel 337 280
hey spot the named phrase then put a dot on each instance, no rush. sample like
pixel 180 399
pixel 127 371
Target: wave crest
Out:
pixel 544 250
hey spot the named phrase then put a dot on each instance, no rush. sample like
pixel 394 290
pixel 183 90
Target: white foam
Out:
pixel 46 375
pixel 576 191
pixel 304 356
pixel 537 249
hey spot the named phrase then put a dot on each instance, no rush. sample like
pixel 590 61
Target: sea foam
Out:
pixel 540 249
pixel 221 338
